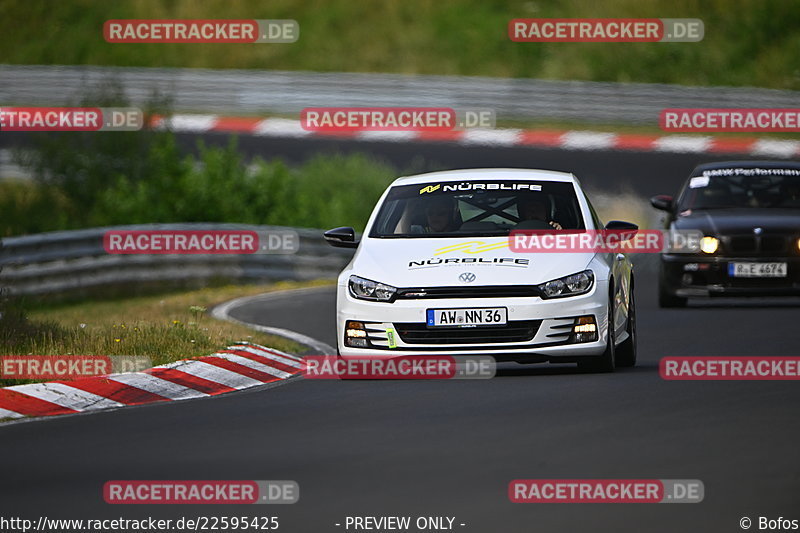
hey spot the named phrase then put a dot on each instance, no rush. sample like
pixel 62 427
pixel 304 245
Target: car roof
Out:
pixel 472 174
pixel 745 164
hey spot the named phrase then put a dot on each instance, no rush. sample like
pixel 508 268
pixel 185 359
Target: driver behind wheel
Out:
pixel 534 207
pixel 442 215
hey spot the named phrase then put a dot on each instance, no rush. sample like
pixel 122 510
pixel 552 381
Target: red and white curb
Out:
pixel 573 140
pixel 237 367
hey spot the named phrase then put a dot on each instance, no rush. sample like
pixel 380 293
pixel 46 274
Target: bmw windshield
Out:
pixel 476 209
pixel 729 188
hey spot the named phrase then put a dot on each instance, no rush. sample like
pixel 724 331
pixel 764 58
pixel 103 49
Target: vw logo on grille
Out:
pixel 467 277
pixel 757 231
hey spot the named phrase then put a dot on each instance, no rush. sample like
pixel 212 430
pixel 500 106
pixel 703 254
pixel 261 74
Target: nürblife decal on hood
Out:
pixel 471 247
pixel 515 262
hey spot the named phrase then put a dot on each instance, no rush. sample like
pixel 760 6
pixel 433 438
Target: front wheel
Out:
pixel 665 298
pixel 626 352
pixel 607 361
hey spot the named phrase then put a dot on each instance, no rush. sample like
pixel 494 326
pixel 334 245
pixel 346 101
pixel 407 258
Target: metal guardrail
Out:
pixel 74 261
pixel 287 92
pixel 69 261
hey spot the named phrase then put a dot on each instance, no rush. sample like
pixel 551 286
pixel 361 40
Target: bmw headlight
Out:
pixel 709 245
pixel 573 285
pixel 365 289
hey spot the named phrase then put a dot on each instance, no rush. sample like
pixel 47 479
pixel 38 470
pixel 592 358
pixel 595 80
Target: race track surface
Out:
pixel 450 448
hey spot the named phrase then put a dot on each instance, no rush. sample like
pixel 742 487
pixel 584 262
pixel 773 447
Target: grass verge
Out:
pixel 165 328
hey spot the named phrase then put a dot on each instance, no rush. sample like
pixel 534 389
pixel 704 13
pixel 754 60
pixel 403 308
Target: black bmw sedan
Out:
pixel 749 215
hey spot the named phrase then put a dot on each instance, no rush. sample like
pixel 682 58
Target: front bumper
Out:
pixel 699 276
pixel 537 329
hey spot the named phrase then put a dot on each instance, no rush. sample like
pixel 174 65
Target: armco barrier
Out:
pixel 67 261
pixel 266 92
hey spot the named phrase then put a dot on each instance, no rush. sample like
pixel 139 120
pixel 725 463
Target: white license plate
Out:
pixel 757 270
pixel 486 316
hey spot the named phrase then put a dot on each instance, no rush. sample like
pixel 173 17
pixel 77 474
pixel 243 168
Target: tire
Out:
pixel 667 300
pixel 626 352
pixel 339 358
pixel 607 361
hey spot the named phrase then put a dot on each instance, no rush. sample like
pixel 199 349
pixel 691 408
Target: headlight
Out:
pixel 568 286
pixel 365 289
pixel 709 245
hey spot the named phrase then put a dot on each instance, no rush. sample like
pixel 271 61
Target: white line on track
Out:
pixel 222 312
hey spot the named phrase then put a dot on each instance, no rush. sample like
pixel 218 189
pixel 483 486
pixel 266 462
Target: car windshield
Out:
pixel 476 208
pixel 742 188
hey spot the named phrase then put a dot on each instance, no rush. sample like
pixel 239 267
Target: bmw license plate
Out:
pixel 487 316
pixel 757 270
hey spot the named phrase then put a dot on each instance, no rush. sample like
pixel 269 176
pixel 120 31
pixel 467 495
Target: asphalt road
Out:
pixel 450 448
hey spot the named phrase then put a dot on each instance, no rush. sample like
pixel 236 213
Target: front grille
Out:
pixel 485 291
pixel 742 244
pixel 514 331
pixel 753 245
pixel 773 244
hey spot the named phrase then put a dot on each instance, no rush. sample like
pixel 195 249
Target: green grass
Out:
pixel 747 42
pixel 26 207
pixel 165 327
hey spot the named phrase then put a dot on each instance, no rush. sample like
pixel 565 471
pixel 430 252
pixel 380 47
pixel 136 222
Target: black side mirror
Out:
pixel 341 237
pixel 662 202
pixel 626 230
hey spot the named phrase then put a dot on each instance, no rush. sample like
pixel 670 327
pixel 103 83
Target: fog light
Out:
pixel 355 335
pixel 357 343
pixel 585 329
pixel 798 244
